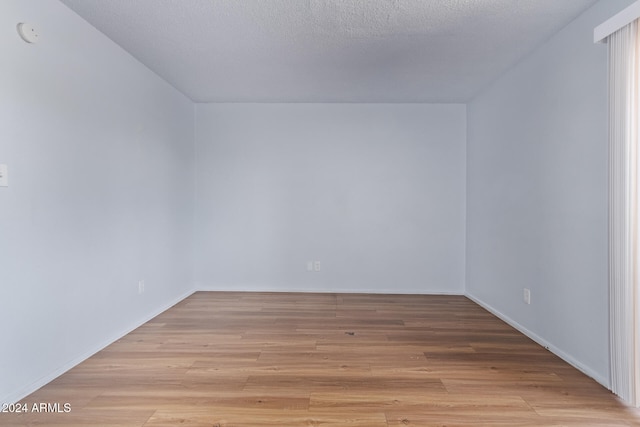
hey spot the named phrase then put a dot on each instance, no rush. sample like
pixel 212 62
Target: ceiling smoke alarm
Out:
pixel 27 33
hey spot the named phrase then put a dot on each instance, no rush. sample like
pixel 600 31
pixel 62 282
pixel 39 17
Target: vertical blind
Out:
pixel 623 212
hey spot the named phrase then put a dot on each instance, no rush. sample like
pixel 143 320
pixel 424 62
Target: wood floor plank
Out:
pixel 291 359
pixel 265 418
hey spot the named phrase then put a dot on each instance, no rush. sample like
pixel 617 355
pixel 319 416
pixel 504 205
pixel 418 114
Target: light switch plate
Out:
pixel 4 176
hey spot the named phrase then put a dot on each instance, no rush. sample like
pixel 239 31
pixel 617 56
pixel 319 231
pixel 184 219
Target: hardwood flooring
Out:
pixel 221 359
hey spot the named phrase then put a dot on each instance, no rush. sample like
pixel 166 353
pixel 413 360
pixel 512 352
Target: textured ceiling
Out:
pixel 329 50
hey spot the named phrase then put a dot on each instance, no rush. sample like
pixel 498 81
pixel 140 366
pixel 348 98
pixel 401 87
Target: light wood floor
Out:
pixel 260 359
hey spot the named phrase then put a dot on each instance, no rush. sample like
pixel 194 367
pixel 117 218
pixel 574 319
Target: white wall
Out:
pixel 101 162
pixel 375 192
pixel 100 156
pixel 537 194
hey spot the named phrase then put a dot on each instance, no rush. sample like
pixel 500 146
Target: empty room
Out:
pixel 319 213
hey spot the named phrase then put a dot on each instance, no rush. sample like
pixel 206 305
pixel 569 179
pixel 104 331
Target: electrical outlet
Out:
pixel 140 287
pixel 527 296
pixel 309 265
pixel 316 266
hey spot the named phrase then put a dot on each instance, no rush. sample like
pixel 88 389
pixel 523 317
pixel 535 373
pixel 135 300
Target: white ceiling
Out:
pixel 329 50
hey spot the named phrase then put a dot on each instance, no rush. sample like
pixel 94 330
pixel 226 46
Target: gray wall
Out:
pixel 537 194
pixel 102 166
pixel 100 156
pixel 374 192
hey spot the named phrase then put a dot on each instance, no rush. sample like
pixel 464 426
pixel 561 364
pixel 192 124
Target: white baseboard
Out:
pixel 220 287
pixel 538 339
pixel 30 388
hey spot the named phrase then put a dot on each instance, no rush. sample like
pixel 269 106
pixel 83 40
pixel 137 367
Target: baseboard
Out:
pixel 260 288
pixel 541 341
pixel 27 390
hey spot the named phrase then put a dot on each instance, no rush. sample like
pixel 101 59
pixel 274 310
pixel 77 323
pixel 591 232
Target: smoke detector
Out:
pixel 27 32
